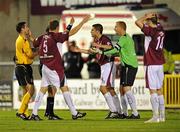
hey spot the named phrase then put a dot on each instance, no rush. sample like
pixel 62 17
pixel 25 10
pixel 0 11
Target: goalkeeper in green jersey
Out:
pixel 126 50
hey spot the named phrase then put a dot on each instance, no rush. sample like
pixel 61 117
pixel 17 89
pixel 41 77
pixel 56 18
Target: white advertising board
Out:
pixel 86 95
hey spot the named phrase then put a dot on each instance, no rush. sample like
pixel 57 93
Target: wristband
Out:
pixel 69 27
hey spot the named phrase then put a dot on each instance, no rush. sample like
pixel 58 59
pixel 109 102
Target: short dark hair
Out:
pixel 53 24
pixel 19 26
pixel 154 19
pixel 122 24
pixel 98 27
pixel 73 43
pixel 47 29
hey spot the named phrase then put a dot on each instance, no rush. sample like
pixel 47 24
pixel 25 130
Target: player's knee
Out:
pixel 44 89
pixel 159 92
pixel 54 90
pixel 121 91
pixel 126 89
pixel 30 88
pixel 64 89
pixel 104 89
pixel 152 91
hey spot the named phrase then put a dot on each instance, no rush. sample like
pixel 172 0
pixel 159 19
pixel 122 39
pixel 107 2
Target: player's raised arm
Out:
pixel 78 27
pixel 102 46
pixel 140 22
pixel 68 28
pixel 75 48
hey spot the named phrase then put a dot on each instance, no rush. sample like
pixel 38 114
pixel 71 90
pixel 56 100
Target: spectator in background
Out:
pixel 93 67
pixel 169 65
pixel 73 62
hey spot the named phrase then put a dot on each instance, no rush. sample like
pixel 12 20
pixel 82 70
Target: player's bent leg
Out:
pixel 109 100
pixel 132 102
pixel 116 101
pixel 50 94
pixel 124 102
pixel 69 102
pixel 50 104
pixel 31 90
pixel 50 100
pixel 37 104
pixel 25 102
pixel 27 114
pixel 25 90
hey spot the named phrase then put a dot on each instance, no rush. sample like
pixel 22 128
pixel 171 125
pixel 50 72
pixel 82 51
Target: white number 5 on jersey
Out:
pixel 45 47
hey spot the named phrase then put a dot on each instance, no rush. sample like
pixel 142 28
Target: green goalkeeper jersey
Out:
pixel 125 48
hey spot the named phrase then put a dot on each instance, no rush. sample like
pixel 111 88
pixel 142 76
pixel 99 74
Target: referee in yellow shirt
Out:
pixel 23 70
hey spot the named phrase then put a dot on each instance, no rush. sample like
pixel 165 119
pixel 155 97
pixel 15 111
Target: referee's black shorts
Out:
pixel 40 69
pixel 24 74
pixel 127 75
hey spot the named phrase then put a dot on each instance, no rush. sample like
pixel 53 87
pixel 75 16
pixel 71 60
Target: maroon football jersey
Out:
pixel 48 50
pixel 153 46
pixel 103 59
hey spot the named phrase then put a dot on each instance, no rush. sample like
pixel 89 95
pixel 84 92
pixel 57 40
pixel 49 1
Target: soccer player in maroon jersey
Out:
pixel 53 70
pixel 108 71
pixel 153 62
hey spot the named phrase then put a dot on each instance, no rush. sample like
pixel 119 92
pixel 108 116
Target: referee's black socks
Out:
pixel 50 106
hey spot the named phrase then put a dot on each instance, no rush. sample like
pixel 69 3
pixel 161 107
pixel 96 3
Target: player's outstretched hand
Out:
pixel 72 20
pixel 95 44
pixel 95 51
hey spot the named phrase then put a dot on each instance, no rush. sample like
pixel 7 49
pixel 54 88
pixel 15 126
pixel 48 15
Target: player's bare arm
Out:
pixel 77 49
pixel 97 45
pixel 68 28
pixel 85 51
pixel 140 22
pixel 74 48
pixel 78 27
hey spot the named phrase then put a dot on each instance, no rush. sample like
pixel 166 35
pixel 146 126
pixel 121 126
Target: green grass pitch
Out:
pixel 93 122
